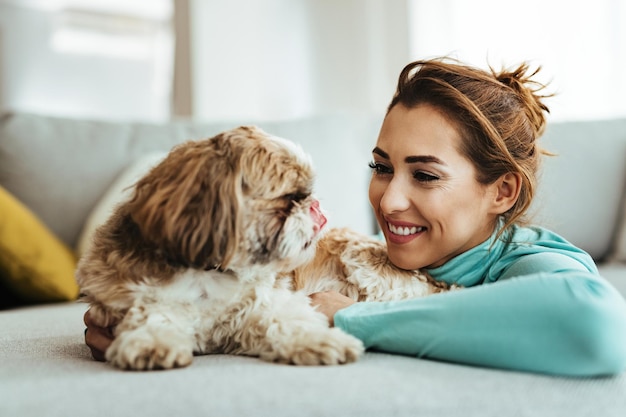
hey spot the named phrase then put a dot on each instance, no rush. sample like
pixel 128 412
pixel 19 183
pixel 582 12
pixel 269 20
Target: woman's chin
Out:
pixel 403 263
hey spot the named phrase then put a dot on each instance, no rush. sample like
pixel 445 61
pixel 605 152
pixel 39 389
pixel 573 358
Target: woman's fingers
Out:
pixel 97 338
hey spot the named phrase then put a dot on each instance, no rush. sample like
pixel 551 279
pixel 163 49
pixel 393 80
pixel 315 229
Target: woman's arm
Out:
pixel 569 322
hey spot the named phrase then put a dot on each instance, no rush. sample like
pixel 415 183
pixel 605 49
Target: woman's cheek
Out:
pixel 375 193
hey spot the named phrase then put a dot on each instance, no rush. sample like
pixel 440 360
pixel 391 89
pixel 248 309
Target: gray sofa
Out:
pixel 60 168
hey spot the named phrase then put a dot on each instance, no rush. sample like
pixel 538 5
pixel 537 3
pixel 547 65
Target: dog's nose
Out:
pixel 319 220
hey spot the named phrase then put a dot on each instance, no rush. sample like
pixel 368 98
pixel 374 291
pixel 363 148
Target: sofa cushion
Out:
pixel 618 251
pixel 581 187
pixel 34 264
pixel 45 361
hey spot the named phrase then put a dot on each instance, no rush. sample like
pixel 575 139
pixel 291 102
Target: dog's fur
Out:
pixel 217 250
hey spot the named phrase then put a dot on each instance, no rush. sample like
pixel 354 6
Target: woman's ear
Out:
pixel 507 190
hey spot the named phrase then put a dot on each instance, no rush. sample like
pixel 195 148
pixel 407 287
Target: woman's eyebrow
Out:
pixel 380 152
pixel 411 159
pixel 424 159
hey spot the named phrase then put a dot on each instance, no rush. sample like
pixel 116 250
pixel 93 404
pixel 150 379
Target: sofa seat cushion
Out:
pixel 45 358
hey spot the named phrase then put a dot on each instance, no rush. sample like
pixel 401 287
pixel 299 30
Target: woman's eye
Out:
pixel 422 176
pixel 379 168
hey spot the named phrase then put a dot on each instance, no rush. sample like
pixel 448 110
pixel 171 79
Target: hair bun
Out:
pixel 527 89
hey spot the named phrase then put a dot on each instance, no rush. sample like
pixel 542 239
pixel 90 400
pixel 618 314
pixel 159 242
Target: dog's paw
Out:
pixel 328 346
pixel 331 348
pixel 142 350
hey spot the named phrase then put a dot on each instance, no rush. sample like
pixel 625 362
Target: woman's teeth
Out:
pixel 404 231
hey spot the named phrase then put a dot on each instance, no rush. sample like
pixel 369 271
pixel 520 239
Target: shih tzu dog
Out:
pixel 216 251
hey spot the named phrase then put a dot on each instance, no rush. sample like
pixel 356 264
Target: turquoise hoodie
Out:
pixel 532 302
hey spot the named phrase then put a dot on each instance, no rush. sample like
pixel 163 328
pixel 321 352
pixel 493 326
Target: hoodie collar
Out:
pixel 471 267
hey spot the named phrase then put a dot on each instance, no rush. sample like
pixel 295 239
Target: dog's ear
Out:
pixel 189 205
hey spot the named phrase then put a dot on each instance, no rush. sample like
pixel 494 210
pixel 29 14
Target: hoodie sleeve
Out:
pixel 567 321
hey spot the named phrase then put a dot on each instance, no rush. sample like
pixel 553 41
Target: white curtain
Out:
pixel 581 45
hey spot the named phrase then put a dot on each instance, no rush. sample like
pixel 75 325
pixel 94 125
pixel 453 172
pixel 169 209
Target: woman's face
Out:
pixel 424 192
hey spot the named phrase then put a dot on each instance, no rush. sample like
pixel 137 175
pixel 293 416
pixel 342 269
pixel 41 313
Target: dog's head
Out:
pixel 238 199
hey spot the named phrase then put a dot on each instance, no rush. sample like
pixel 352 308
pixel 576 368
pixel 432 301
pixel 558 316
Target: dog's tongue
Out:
pixel 318 217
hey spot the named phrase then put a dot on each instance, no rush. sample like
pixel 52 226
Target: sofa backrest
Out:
pixel 60 167
pixel 582 187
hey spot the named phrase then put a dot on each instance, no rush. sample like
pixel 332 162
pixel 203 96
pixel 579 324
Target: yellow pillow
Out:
pixel 34 263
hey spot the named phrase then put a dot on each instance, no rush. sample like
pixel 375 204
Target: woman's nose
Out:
pixel 395 198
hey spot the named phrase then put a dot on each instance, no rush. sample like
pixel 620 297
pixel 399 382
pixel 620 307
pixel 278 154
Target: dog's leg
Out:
pixel 387 283
pixel 153 336
pixel 298 334
pixel 358 267
pixel 369 270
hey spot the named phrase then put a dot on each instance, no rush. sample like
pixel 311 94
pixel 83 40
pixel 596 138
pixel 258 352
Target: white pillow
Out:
pixel 119 191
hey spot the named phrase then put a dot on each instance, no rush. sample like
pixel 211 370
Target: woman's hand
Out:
pixel 97 338
pixel 329 303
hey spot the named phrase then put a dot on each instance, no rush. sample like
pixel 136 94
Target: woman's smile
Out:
pixel 402 233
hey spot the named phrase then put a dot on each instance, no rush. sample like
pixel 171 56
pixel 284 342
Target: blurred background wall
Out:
pixel 100 58
pixel 156 60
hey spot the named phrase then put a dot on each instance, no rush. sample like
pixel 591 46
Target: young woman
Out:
pixel 454 172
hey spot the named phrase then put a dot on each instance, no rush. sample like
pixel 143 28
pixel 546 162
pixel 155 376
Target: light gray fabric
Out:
pixel 582 186
pixel 45 370
pixel 618 250
pixel 615 273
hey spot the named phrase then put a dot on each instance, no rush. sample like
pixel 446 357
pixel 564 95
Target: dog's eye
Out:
pixel 295 197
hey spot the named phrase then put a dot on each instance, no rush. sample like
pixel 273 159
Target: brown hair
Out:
pixel 499 115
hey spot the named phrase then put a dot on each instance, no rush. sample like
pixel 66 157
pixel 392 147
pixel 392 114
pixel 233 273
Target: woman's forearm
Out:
pixel 567 324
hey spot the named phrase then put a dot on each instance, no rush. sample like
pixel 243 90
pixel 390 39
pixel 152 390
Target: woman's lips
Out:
pixel 403 234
